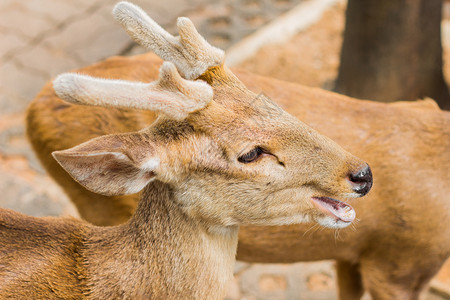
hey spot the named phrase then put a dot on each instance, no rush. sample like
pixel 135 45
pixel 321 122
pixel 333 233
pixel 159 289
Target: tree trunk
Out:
pixel 392 51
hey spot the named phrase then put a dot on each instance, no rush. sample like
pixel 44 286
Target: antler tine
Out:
pixel 170 95
pixel 199 53
pixel 190 52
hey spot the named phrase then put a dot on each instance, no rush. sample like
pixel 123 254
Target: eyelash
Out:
pixel 251 156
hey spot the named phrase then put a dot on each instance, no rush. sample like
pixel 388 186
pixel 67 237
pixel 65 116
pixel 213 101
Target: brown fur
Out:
pixel 181 241
pixel 402 237
pixel 53 258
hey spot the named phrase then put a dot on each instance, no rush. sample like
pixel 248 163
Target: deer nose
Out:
pixel 362 180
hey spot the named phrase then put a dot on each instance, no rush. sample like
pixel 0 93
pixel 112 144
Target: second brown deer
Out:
pixel 206 166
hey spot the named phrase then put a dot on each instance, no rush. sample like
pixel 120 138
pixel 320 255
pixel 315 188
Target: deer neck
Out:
pixel 166 254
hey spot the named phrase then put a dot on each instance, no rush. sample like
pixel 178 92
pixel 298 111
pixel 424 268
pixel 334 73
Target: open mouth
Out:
pixel 335 208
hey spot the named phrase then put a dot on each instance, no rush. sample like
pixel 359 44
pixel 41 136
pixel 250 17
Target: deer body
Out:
pixel 402 236
pixel 403 215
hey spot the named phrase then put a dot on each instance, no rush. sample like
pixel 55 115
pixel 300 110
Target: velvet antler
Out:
pixel 170 94
pixel 190 52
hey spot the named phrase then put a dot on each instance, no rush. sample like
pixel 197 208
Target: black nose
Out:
pixel 362 181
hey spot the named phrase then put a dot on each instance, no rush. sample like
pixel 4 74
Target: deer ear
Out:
pixel 111 165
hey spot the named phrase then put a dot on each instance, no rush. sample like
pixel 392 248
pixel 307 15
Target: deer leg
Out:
pixel 389 279
pixel 349 281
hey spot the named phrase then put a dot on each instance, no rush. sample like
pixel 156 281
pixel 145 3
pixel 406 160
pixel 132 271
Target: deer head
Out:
pixel 232 157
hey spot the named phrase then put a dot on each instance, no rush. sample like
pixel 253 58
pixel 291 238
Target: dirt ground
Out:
pixel 312 56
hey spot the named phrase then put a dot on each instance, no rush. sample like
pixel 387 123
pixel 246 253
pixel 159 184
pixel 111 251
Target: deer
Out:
pixel 401 237
pixel 204 166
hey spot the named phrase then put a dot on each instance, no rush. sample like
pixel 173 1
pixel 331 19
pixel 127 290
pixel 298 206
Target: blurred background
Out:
pixel 42 38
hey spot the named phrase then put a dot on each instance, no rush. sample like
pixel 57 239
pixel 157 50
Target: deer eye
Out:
pixel 251 156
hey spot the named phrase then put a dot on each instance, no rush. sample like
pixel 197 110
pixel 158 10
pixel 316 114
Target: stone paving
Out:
pixel 41 38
